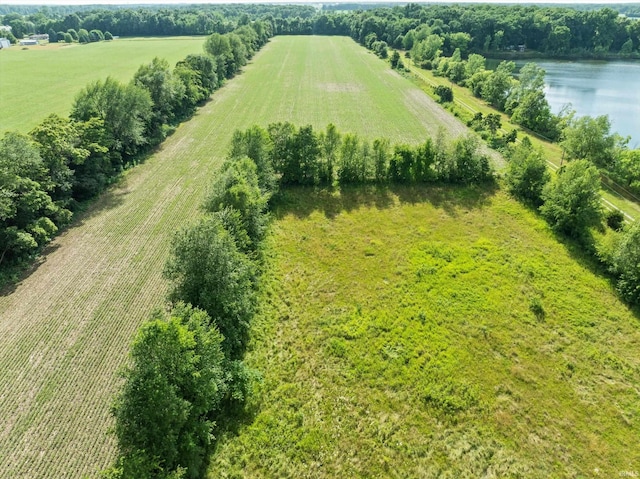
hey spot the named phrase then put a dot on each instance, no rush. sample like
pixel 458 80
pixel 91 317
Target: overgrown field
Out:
pixel 66 329
pixel 434 332
pixel 37 81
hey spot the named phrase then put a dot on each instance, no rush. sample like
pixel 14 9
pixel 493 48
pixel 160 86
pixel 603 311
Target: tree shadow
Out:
pixel 302 201
pixel 582 249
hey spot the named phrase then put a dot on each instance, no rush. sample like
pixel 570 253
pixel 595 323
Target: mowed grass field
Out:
pixel 66 328
pixel 38 81
pixel 434 333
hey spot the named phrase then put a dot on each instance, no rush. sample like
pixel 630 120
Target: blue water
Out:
pixel 597 88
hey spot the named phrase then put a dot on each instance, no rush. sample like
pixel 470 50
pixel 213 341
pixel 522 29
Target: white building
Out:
pixel 4 43
pixel 28 42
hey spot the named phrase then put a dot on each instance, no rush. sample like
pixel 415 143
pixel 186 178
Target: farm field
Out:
pixel 45 79
pixel 66 328
pixel 434 332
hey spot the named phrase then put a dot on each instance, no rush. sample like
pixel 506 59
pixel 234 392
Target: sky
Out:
pixel 309 2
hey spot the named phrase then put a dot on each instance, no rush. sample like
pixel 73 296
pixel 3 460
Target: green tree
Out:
pixel 28 216
pixel 206 269
pixel 527 173
pixel 124 109
pixel 626 263
pixel 174 386
pixel 83 36
pixel 350 161
pixel 166 92
pixel 330 142
pixel 572 201
pixel 58 141
pixel 237 188
pixel 590 139
pixel 498 84
pixel 381 154
pixel 427 49
pixel 528 105
pixel 256 144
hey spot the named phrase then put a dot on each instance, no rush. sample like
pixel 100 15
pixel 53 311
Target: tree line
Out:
pixel 146 21
pixel 523 99
pixel 186 379
pixel 553 31
pixel 63 162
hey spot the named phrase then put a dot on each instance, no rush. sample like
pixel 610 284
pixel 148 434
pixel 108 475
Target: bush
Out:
pixel 444 92
pixel 626 263
pixel 615 219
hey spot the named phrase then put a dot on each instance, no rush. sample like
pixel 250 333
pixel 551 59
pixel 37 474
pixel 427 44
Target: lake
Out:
pixel 597 88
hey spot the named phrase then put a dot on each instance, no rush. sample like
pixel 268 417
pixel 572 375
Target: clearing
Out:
pixel 434 332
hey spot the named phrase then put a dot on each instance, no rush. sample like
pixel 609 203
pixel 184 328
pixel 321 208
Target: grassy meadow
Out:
pixel 40 80
pixel 434 332
pixel 66 328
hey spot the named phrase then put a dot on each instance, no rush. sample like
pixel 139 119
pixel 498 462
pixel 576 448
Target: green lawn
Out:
pixel 38 81
pixel 66 328
pixel 434 332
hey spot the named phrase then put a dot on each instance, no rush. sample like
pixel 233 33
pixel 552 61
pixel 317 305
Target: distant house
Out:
pixel 522 48
pixel 44 36
pixel 4 43
pixel 28 42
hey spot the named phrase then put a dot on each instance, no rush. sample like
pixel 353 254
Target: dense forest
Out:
pixel 488 28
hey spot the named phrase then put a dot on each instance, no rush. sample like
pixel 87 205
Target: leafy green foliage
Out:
pixel 237 189
pixel 207 270
pixel 590 139
pixel 444 92
pixel 174 388
pixel 28 216
pixel 626 263
pixel 125 109
pixel 527 173
pixel 572 200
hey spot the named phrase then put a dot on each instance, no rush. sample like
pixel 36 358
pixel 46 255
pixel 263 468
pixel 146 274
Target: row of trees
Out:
pixel 81 36
pixel 64 161
pixel 186 377
pixel 303 156
pixel 150 20
pixel 472 28
pixel 571 204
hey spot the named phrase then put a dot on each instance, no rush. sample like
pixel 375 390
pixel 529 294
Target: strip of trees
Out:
pixel 553 31
pixel 46 175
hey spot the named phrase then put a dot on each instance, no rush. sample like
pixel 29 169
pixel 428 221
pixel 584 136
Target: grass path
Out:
pixel 66 328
